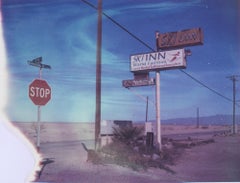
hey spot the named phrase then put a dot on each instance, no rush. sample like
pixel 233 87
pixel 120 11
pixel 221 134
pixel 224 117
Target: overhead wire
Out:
pixel 150 48
pixel 201 83
pixel 119 25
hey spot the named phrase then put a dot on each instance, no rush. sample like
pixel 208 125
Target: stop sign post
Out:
pixel 39 92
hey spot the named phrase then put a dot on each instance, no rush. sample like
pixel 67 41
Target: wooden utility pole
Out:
pixel 98 76
pixel 234 79
pixel 198 117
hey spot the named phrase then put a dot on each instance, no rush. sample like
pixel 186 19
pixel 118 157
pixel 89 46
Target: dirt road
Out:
pixel 214 162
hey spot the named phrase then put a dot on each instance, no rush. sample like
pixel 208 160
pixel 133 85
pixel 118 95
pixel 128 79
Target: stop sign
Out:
pixel 39 92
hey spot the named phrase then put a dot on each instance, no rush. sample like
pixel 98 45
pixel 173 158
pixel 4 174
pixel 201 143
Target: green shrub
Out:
pixel 127 135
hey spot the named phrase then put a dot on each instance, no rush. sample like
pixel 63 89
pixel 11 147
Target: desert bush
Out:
pixel 124 155
pixel 125 150
pixel 127 135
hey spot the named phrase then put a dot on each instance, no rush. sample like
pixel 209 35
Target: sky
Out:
pixel 64 34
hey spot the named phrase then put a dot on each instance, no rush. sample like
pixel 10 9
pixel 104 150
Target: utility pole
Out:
pixel 98 76
pixel 234 79
pixel 198 117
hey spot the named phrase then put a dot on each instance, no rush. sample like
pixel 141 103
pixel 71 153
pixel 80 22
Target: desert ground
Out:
pixel 212 162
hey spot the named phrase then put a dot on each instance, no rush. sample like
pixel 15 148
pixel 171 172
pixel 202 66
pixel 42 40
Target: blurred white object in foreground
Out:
pixel 19 161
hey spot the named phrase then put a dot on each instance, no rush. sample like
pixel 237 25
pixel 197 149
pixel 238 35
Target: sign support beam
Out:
pixel 39 117
pixel 38 126
pixel 38 63
pixel 158 115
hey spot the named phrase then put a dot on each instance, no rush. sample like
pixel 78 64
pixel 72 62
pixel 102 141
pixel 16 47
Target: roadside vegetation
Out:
pixel 129 149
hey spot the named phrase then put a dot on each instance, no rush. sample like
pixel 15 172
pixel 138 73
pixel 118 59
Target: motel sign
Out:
pixel 183 38
pixel 162 60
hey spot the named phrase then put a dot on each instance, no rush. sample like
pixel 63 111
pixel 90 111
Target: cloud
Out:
pixel 152 6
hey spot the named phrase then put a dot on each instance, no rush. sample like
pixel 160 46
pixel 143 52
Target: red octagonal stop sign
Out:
pixel 39 92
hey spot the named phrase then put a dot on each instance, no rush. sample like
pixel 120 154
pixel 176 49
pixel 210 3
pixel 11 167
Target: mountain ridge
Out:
pixel 220 119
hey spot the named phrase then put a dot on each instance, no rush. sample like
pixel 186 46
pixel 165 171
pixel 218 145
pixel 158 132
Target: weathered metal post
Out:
pixel 158 115
pixel 39 117
pixel 38 100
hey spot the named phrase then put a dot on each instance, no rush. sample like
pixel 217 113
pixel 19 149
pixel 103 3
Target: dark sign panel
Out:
pixel 188 37
pixel 141 76
pixel 37 62
pixel 134 83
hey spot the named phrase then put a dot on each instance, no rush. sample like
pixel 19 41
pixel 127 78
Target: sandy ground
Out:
pixel 214 162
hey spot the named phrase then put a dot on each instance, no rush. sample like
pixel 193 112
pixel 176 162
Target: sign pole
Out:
pixel 39 93
pixel 146 120
pixel 39 117
pixel 158 116
pixel 38 126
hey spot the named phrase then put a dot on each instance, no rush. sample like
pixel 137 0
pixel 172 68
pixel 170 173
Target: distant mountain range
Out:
pixel 206 120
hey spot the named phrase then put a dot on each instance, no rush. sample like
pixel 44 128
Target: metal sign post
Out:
pixel 39 117
pixel 158 115
pixel 172 56
pixel 39 94
pixel 38 127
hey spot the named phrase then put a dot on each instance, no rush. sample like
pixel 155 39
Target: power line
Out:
pixel 141 97
pixel 121 26
pixel 201 83
pixel 150 48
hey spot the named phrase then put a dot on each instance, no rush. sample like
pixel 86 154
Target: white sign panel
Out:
pixel 163 60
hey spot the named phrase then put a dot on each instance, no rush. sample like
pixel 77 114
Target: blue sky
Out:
pixel 64 33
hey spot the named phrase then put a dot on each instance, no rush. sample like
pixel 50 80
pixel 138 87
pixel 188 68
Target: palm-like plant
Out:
pixel 127 135
pixel 123 151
